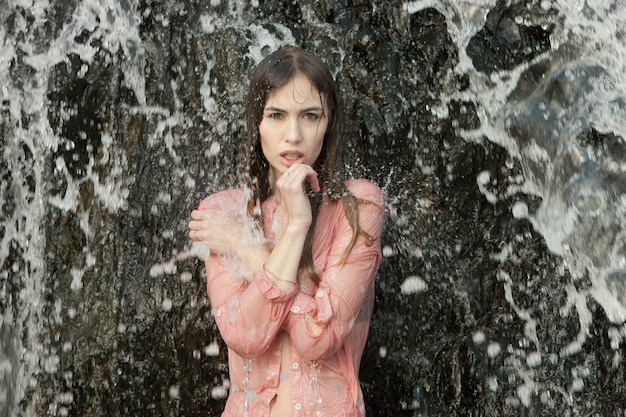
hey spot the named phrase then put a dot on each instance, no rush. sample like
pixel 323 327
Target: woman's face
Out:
pixel 293 126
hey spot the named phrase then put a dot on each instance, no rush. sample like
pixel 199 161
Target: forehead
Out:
pixel 297 91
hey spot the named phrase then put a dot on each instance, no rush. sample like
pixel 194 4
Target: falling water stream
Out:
pixel 495 128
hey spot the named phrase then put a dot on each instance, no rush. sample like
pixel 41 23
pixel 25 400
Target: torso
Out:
pixel 284 401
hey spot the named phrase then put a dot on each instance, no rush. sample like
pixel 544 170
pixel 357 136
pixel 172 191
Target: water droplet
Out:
pixel 413 284
pixel 212 349
pixel 174 392
pixel 493 349
pixel 520 210
pixel 186 276
pixel 478 337
pixel 533 359
pixel 219 392
pixel 382 352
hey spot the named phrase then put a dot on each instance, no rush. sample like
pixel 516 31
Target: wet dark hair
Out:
pixel 272 73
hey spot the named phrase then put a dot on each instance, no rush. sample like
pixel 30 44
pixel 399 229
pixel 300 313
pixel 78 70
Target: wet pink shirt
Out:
pixel 252 314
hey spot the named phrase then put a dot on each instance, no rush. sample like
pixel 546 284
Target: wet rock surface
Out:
pixel 104 311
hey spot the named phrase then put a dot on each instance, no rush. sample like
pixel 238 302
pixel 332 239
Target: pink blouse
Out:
pixel 252 313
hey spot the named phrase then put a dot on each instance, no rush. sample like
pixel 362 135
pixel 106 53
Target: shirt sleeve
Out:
pixel 336 305
pixel 248 314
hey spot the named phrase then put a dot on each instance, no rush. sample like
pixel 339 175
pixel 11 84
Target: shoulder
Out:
pixel 366 190
pixel 224 200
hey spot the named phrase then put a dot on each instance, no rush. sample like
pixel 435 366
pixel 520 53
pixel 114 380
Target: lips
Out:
pixel 291 156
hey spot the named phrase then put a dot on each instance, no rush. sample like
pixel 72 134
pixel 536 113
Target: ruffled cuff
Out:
pixel 271 291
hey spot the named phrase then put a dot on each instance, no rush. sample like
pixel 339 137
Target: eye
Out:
pixel 275 116
pixel 311 116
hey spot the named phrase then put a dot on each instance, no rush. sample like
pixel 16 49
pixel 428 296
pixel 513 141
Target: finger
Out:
pixel 194 225
pixel 199 213
pixel 196 230
pixel 313 179
pixel 290 183
pixel 298 173
pixel 308 174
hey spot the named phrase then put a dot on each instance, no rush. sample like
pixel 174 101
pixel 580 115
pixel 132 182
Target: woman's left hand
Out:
pixel 227 236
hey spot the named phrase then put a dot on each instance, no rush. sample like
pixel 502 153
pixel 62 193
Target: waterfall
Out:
pixel 496 129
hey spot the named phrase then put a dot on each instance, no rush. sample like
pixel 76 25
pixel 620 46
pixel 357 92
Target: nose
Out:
pixel 293 133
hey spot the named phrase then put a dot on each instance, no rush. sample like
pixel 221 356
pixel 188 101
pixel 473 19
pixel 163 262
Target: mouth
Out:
pixel 292 156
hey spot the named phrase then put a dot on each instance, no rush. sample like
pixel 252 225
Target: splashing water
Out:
pixel 316 399
pixel 560 116
pixel 547 126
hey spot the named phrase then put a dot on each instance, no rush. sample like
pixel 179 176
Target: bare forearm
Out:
pixel 282 264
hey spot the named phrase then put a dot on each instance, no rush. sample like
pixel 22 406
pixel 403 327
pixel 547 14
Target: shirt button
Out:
pixel 298 406
pixel 295 309
pixel 295 365
pixel 320 293
pixel 218 313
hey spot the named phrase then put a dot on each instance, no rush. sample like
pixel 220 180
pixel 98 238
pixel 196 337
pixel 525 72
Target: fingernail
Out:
pixel 202 208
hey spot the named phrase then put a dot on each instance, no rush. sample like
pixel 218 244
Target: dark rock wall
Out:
pixel 118 118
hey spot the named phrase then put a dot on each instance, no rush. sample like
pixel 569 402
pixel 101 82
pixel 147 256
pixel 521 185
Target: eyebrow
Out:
pixel 308 109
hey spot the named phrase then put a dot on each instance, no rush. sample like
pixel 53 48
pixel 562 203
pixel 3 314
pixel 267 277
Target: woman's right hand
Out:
pixel 294 209
pixel 294 217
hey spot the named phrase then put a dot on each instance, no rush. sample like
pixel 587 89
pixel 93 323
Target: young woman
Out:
pixel 293 257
